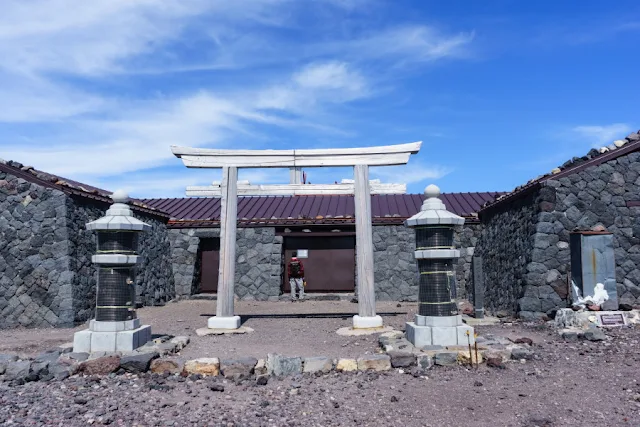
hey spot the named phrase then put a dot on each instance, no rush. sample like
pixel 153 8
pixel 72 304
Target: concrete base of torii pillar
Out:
pixel 440 331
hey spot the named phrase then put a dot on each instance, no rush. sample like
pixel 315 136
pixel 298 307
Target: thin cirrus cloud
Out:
pixel 598 135
pixel 59 63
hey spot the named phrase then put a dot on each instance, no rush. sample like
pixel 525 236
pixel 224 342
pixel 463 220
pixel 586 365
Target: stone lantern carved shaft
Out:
pixel 116 326
pixel 437 322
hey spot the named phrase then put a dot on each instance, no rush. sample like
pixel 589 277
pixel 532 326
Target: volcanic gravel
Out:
pixel 578 383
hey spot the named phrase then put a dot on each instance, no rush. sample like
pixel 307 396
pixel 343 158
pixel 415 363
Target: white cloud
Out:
pixel 602 135
pixel 412 173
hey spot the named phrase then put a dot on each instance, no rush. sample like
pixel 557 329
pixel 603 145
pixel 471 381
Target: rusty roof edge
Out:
pixel 27 175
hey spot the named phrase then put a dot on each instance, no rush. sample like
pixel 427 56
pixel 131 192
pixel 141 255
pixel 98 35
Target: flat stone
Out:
pixel 5 359
pixel 593 334
pixel 100 366
pixel 280 365
pixel 374 362
pixel 160 366
pixel 347 365
pixel 446 358
pixel 424 361
pixel 312 365
pixel 63 368
pixel 80 357
pixel 180 342
pixel 209 366
pixel 353 332
pixel 17 370
pixel 217 331
pixel 402 359
pixel 519 353
pixel 47 356
pixel 261 367
pixel 138 363
pixel 465 359
pixel 570 334
pixel 238 368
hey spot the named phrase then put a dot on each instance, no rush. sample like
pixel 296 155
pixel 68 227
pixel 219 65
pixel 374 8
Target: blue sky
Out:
pixel 498 91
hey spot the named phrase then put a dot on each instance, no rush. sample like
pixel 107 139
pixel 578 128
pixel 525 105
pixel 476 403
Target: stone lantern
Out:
pixel 437 322
pixel 115 327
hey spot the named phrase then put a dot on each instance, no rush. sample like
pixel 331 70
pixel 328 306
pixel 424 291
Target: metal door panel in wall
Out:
pixel 209 265
pixel 330 266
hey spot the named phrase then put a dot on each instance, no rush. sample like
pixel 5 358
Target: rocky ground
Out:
pixel 566 383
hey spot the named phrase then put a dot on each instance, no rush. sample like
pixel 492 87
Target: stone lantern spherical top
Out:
pixel 120 196
pixel 432 191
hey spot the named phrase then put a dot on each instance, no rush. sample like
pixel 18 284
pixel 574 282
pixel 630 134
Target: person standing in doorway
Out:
pixel 296 277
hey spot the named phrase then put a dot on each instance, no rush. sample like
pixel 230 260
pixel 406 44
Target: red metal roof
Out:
pixel 319 209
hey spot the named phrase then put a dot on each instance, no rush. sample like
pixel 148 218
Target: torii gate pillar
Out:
pixel 231 160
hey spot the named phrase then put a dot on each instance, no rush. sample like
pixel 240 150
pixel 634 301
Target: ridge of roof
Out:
pixel 594 157
pixel 68 186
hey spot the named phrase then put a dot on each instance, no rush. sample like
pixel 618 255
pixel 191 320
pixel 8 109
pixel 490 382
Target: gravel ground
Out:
pixel 305 328
pixel 569 384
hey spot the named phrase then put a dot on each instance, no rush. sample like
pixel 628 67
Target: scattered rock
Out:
pixel 100 366
pixel 570 334
pixel 524 340
pixel 18 371
pixel 138 363
pixel 5 359
pixel 519 353
pixel 446 358
pixel 279 365
pixel 594 334
pixel 477 384
pixel 80 357
pixel 424 362
pixel 216 387
pixel 179 342
pixel 317 364
pixel 238 368
pixel 625 307
pixel 394 399
pixel 402 359
pixel 204 366
pixel 261 367
pixel 466 359
pixel 495 362
pixel 262 379
pixel 160 366
pixel 347 365
pixel 501 314
pixel 374 362
pixel 465 307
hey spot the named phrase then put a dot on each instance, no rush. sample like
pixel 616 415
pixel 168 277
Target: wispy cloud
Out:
pixel 602 135
pixel 411 173
pixel 75 68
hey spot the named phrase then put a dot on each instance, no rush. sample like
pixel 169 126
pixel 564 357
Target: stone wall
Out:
pixel 46 274
pixel 465 239
pixel 35 276
pixel 596 195
pixel 258 261
pixel 506 245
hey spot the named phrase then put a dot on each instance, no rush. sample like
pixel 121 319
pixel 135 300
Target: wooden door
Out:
pixel 209 265
pixel 330 266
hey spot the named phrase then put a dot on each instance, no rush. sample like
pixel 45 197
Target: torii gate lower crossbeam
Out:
pixel 231 160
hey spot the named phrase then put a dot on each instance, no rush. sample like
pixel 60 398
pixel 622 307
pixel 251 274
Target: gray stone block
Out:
pixel 279 365
pixel 317 364
pixel 238 368
pixel 446 358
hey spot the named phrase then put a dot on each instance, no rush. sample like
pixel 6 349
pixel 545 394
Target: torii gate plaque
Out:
pixel 231 160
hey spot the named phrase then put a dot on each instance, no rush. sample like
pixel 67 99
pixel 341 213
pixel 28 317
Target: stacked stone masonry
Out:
pixel 525 244
pixel 46 275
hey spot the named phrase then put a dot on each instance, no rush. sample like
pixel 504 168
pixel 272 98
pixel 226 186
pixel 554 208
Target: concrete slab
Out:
pixel 217 331
pixel 351 332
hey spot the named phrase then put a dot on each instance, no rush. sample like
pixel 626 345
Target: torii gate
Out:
pixel 359 158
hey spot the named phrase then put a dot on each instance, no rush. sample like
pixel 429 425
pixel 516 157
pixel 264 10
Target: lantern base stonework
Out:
pixel 111 337
pixel 440 330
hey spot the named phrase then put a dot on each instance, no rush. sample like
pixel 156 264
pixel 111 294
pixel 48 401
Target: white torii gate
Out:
pixel 359 158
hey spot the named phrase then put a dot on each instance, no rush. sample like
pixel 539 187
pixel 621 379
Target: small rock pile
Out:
pixel 61 362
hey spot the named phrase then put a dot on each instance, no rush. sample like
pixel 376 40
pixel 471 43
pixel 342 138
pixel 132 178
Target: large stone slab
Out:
pixel 160 366
pixel 374 362
pixel 100 366
pixel 5 359
pixel 346 365
pixel 312 365
pixel 17 370
pixel 238 368
pixel 402 359
pixel 207 366
pixel 138 363
pixel 280 365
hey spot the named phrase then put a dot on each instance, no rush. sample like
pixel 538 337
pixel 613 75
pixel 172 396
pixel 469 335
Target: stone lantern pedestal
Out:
pixel 437 322
pixel 116 326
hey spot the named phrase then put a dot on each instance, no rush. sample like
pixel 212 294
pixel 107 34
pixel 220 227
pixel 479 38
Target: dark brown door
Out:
pixel 330 266
pixel 209 264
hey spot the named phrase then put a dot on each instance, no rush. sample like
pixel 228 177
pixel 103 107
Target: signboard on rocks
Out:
pixel 611 319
